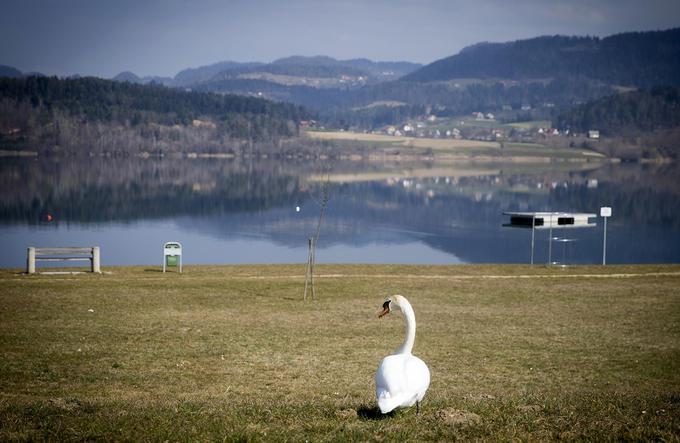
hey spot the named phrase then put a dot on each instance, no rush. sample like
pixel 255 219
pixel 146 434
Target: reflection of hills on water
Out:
pixel 462 217
pixel 373 213
pixel 455 209
pixel 102 190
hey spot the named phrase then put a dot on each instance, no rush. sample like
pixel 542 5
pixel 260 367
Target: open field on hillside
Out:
pixel 444 148
pixel 433 143
pixel 530 124
pixel 234 353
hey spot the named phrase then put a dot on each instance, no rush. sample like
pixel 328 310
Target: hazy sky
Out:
pixel 161 37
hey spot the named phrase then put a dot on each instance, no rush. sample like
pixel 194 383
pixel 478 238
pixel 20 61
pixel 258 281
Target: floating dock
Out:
pixel 550 220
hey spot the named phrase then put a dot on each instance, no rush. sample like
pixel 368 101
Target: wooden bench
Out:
pixel 63 254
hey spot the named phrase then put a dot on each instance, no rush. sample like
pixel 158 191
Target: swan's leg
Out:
pixel 417 407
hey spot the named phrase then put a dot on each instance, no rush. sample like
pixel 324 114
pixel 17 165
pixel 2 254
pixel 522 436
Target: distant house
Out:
pixel 593 134
pixel 407 128
pixel 304 123
pixel 548 131
pixel 490 116
pixel 432 118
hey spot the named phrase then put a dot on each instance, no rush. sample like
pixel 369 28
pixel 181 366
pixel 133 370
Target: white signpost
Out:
pixel 605 212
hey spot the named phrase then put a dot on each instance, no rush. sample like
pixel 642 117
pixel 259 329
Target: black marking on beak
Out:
pixel 386 309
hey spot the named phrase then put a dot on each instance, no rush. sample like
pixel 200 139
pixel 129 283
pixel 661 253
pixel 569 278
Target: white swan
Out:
pixel 402 378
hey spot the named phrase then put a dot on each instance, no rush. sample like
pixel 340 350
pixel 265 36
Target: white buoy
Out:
pixel 297 209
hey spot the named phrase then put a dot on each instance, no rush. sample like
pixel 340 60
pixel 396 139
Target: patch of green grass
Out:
pixel 233 353
pixel 530 124
pixel 559 153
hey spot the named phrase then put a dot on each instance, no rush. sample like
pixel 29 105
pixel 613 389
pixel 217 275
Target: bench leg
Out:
pixel 96 264
pixel 30 261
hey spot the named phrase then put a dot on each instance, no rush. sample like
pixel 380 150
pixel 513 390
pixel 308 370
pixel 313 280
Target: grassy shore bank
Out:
pixel 447 148
pixel 234 353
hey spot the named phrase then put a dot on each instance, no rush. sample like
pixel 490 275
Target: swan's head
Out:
pixel 391 304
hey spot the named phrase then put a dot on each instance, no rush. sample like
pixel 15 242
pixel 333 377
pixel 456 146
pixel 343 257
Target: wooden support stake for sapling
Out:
pixel 312 242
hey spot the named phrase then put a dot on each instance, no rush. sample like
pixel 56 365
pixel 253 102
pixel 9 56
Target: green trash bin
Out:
pixel 172 255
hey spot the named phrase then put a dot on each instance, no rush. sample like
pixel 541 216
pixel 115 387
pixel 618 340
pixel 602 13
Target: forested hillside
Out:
pixel 544 75
pixel 192 76
pixel 642 59
pixel 622 114
pixel 362 107
pixel 50 111
pixel 574 82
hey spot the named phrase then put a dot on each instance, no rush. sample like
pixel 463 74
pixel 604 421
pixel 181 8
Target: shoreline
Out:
pixel 413 271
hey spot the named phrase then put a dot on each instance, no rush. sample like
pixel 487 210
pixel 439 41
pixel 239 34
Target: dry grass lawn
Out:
pixel 233 353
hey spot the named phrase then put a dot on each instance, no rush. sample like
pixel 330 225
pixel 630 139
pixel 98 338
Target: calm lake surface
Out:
pixel 237 211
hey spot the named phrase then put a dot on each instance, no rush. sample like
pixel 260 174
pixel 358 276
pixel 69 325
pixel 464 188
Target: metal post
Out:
pixel 550 244
pixel 30 261
pixel 604 243
pixel 96 261
pixel 533 230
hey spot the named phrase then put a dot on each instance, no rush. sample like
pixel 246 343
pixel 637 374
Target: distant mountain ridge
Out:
pixel 191 76
pixel 127 76
pixel 302 66
pixel 9 71
pixel 130 77
pixel 293 66
pixel 641 59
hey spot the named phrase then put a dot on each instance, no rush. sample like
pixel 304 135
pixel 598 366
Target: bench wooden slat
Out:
pixel 49 251
pixel 63 258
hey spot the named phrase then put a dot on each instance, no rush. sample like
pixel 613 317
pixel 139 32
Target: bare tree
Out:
pixel 314 239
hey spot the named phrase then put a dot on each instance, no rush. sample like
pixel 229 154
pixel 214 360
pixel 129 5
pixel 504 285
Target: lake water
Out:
pixel 237 211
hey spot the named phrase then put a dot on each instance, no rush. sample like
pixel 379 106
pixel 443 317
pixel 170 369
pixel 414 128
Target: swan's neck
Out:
pixel 410 318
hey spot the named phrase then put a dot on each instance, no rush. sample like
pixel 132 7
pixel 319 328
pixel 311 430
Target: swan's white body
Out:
pixel 402 378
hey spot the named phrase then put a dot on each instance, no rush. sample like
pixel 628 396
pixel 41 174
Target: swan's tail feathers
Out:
pixel 388 403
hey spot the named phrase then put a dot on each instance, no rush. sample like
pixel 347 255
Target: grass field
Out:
pixel 453 148
pixel 401 141
pixel 233 353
